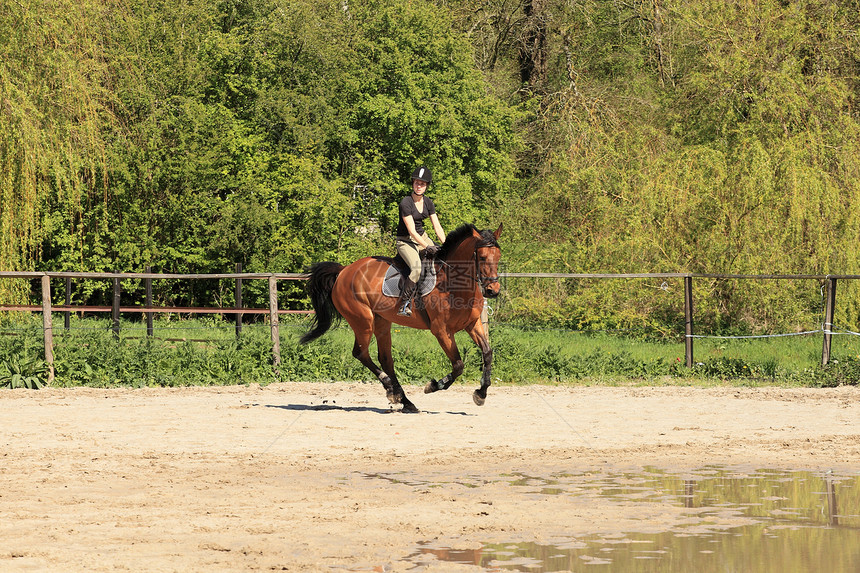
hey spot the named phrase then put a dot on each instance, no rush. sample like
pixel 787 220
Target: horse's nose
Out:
pixel 492 291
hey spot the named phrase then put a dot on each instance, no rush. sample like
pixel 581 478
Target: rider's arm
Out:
pixel 413 234
pixel 437 228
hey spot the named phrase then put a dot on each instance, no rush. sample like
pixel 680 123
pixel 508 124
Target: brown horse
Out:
pixel 466 271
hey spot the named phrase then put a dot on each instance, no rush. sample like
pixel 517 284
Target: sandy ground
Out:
pixel 324 477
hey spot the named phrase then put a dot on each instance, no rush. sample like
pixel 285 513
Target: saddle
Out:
pixel 398 267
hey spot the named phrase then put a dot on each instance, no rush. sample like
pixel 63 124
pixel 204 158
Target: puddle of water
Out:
pixel 800 521
pixel 746 549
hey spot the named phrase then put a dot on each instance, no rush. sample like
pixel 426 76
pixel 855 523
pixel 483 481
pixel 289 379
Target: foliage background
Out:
pixel 639 136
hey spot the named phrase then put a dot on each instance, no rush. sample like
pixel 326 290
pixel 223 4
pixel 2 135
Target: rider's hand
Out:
pixel 431 250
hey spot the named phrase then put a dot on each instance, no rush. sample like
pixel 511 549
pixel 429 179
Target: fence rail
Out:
pixel 273 311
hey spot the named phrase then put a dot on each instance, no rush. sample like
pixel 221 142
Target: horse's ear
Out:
pixel 498 232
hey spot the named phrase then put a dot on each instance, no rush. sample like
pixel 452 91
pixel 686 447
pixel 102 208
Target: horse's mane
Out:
pixel 460 234
pixel 454 238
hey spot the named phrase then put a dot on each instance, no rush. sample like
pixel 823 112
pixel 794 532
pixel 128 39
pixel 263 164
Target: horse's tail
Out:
pixel 320 284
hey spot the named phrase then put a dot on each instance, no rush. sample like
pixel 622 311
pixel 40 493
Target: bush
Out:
pixel 28 373
pixel 845 372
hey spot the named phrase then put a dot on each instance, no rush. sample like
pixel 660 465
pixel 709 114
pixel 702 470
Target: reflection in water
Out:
pixel 689 490
pixel 833 510
pixel 802 521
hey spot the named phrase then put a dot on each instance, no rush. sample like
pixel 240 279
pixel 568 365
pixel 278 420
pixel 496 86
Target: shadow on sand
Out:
pixel 325 407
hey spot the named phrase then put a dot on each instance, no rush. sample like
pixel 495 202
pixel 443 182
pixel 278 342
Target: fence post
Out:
pixel 238 300
pixel 829 303
pixel 485 319
pixel 273 319
pixel 688 319
pixel 115 307
pixel 148 282
pixel 67 314
pixel 47 326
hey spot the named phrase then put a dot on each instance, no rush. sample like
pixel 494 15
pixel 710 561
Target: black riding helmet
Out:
pixel 422 174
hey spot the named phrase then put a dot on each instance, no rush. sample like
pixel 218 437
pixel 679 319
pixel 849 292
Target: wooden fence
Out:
pixel 46 308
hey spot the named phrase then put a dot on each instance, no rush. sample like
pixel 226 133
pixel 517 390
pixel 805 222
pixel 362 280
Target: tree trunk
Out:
pixel 532 53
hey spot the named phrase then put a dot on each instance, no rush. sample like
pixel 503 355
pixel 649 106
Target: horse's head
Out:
pixel 473 256
pixel 487 256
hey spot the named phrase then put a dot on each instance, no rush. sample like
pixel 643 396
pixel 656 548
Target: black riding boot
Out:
pixel 407 291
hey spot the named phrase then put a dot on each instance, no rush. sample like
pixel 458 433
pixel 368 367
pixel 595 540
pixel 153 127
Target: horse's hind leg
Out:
pixel 382 330
pixel 361 351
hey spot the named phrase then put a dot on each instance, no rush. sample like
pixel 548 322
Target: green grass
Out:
pixel 207 352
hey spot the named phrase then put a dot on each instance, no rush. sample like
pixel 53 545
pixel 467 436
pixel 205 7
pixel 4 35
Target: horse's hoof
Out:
pixel 479 400
pixel 430 387
pixel 392 397
pixel 409 408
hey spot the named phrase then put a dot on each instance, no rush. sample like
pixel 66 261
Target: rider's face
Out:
pixel 419 187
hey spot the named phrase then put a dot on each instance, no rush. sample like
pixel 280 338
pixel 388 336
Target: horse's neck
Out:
pixel 460 266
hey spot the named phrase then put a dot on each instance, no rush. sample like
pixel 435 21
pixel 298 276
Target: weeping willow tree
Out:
pixel 53 106
pixel 703 137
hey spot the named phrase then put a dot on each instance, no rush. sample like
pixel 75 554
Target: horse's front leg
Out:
pixel 449 346
pixel 480 337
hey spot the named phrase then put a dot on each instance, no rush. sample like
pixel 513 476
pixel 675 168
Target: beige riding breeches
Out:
pixel 409 251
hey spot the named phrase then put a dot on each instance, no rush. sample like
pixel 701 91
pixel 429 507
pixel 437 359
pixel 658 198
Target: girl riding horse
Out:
pixel 466 272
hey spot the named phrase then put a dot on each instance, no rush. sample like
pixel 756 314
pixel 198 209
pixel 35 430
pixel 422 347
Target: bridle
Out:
pixel 487 240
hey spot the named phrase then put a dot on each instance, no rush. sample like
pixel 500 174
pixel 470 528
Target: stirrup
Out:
pixel 405 309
